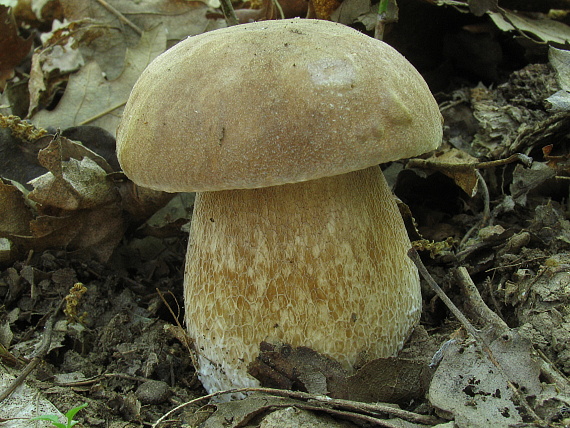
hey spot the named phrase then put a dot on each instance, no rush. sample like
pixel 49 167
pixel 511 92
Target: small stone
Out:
pixel 153 392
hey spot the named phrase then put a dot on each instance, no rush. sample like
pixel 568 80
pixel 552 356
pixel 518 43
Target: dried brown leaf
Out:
pixel 456 164
pixel 91 98
pixel 13 48
pixel 473 391
pixel 79 206
pixel 301 368
pixel 15 214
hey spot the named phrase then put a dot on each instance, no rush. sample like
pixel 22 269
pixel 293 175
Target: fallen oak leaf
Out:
pixel 538 29
pixel 78 206
pixel 52 63
pixel 77 177
pixel 89 98
pixel 62 149
pixel 79 185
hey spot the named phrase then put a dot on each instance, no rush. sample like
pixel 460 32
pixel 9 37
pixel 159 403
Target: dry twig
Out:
pixel 120 16
pixel 347 407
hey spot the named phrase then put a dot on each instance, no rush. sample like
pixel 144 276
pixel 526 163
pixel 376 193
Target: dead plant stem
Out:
pixel 353 406
pixel 229 12
pixel 120 16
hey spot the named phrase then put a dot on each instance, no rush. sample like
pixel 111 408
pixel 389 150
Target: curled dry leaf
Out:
pixel 301 368
pixel 274 412
pixel 479 7
pixel 78 206
pixel 456 164
pixel 107 46
pixel 51 65
pixel 13 48
pixel 560 61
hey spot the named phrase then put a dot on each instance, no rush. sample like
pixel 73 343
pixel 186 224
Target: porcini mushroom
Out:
pixel 279 126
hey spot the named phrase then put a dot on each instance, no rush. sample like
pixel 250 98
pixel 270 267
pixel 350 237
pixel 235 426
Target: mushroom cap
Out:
pixel 270 103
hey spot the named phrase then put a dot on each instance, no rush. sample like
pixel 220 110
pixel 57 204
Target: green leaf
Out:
pixel 72 412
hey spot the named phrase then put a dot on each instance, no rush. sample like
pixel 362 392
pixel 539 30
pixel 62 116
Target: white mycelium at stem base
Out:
pixel 321 264
pixel 280 126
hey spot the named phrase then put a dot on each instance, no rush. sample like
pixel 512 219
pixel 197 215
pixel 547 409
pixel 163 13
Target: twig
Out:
pixel 338 403
pixel 433 164
pixel 37 356
pixel 94 379
pixel 486 218
pixel 480 308
pixel 101 114
pixel 345 414
pixel 387 14
pixel 187 341
pixel 121 17
pixel 229 13
pixel 279 9
pixel 413 254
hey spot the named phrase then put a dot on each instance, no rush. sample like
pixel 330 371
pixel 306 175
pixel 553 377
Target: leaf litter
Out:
pixel 73 229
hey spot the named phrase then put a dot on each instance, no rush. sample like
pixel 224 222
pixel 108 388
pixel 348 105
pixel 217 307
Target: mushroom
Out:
pixel 279 126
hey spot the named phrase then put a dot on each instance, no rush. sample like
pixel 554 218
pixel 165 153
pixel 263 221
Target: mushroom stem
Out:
pixel 321 263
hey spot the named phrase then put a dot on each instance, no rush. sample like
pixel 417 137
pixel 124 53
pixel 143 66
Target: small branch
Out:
pixel 413 254
pixel 434 164
pixel 186 339
pixel 120 16
pixel 480 308
pixel 103 113
pixel 486 218
pixel 323 400
pixel 229 12
pixel 387 14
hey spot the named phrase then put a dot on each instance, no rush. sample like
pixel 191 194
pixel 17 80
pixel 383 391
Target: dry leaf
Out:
pixel 390 380
pixel 91 98
pixel 77 185
pixel 560 61
pixel 456 164
pixel 479 7
pixel 15 214
pixel 542 30
pixel 107 46
pixel 266 408
pixel 474 392
pixel 383 379
pixel 13 48
pixel 78 207
pixel 301 368
pixel 52 63
pixel 527 179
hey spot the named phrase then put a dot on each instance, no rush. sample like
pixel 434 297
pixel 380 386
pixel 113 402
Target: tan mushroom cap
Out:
pixel 270 103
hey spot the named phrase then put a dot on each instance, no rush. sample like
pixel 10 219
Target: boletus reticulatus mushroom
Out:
pixel 279 126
